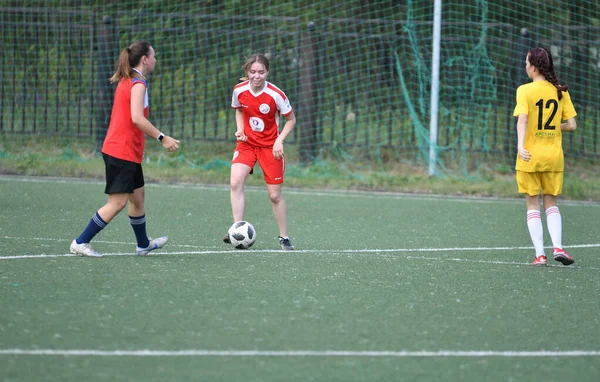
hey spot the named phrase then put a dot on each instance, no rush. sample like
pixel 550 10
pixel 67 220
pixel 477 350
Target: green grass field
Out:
pixel 382 287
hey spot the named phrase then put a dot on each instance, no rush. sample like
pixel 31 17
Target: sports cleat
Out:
pixel 285 243
pixel 540 260
pixel 226 239
pixel 562 256
pixel 83 249
pixel 154 244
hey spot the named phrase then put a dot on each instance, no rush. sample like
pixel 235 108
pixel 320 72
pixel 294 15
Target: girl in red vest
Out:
pixel 123 150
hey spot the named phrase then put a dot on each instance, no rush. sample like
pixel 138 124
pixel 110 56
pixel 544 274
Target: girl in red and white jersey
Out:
pixel 258 105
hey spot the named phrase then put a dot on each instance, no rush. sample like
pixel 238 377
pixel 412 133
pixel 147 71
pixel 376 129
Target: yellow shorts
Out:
pixel 531 183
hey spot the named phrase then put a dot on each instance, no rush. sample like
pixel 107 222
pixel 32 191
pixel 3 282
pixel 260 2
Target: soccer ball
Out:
pixel 242 235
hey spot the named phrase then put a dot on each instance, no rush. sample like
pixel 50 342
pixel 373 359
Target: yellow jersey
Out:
pixel 543 137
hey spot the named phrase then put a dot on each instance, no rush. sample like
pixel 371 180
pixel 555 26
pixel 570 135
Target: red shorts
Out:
pixel 272 168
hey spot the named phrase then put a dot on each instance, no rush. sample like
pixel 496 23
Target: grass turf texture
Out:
pixel 373 272
pixel 334 168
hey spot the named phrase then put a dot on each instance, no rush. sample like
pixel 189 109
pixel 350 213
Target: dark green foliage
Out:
pixel 58 56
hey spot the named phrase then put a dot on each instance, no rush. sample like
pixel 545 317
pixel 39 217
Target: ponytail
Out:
pixel 129 58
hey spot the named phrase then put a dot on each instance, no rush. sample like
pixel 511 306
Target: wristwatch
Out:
pixel 160 137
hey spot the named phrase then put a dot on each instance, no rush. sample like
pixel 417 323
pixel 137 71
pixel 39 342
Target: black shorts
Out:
pixel 122 176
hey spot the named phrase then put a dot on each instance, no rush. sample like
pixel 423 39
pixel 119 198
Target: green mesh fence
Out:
pixel 358 73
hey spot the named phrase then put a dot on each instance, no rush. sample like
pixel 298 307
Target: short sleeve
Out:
pixel 235 102
pixel 568 108
pixel 522 105
pixel 284 106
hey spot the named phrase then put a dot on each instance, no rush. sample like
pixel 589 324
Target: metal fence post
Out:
pixel 104 89
pixel 308 106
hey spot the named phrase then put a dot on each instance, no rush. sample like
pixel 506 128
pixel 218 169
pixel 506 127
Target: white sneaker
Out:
pixel 83 249
pixel 154 244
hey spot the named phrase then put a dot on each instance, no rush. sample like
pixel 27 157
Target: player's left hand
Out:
pixel 278 149
pixel 170 144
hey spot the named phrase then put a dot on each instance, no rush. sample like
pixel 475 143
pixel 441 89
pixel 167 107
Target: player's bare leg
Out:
pixel 239 173
pixel 114 205
pixel 136 202
pixel 280 213
pixel 279 208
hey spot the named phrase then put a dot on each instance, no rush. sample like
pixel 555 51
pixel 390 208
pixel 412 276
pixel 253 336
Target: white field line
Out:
pixel 364 250
pixel 21 238
pixel 327 252
pixel 311 192
pixel 297 353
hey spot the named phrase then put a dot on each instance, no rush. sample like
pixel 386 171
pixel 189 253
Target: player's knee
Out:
pixel 119 204
pixel 275 197
pixel 236 185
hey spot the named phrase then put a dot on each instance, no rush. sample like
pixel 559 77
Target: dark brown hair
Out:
pixel 541 58
pixel 130 57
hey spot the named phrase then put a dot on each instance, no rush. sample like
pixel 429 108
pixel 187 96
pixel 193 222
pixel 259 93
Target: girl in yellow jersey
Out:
pixel 544 110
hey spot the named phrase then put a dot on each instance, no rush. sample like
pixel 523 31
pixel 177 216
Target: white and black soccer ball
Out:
pixel 242 235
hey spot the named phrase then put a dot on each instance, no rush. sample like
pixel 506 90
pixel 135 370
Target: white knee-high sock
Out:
pixel 554 222
pixel 536 231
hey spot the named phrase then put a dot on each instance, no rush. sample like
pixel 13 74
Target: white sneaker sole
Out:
pixel 84 254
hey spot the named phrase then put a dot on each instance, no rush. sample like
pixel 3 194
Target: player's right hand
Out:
pixel 524 155
pixel 240 136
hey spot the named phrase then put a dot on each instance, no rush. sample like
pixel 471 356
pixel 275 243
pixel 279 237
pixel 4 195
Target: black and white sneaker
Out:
pixel 285 243
pixel 226 239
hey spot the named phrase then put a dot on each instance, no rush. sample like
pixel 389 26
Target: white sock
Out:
pixel 554 222
pixel 536 231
